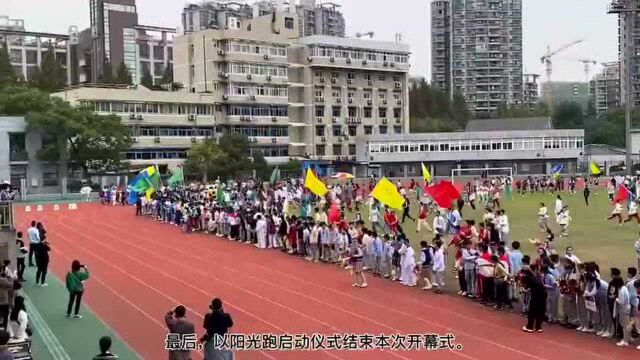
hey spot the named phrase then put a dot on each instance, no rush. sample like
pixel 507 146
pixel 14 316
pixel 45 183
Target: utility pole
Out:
pixel 627 11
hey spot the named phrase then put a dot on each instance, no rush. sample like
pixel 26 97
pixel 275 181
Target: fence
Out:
pixel 71 189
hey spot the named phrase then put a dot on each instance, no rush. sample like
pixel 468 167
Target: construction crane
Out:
pixel 368 33
pixel 587 67
pixel 546 60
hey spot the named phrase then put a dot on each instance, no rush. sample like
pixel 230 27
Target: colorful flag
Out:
pixel 275 175
pixel 623 194
pixel 177 177
pixel 556 169
pixel 425 173
pixel 444 193
pixel 594 169
pixel 314 184
pixel 387 193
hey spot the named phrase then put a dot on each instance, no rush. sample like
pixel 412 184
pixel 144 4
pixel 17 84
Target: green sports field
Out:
pixel 592 238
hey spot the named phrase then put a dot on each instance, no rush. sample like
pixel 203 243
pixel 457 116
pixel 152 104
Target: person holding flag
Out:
pixel 616 212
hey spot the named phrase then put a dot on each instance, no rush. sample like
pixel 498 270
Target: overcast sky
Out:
pixel 545 22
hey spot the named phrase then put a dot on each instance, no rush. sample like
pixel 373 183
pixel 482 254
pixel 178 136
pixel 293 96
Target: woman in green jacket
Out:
pixel 75 284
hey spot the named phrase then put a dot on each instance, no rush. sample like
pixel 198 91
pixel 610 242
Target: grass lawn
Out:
pixel 593 238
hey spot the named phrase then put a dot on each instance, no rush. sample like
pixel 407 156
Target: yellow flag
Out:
pixel 150 170
pixel 425 173
pixel 150 192
pixel 314 184
pixel 595 170
pixel 388 194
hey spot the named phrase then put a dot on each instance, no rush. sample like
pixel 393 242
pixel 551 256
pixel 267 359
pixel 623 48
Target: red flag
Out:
pixel 444 193
pixel 622 194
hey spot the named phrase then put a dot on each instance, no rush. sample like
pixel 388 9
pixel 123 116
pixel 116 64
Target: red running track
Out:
pixel 141 268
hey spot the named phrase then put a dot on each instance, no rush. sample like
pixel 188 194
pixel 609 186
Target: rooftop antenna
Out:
pixel 368 33
pixel 398 37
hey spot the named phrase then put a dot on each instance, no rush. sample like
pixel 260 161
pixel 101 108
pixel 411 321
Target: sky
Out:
pixel 545 23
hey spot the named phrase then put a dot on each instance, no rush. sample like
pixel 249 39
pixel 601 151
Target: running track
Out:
pixel 141 268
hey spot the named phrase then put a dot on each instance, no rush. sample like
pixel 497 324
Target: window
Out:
pixel 382 112
pixel 351 76
pixel 382 77
pixel 367 112
pixel 352 149
pixel 320 150
pixel 337 130
pixel 320 110
pixel 335 111
pixel 158 52
pixel 50 176
pixel 353 111
pixel 397 113
pixel 319 130
pixel 368 130
pixel 397 129
pixel 367 77
pixel 144 50
pixel 382 129
pixel 396 78
pixel 353 131
pixel 288 23
pixel 367 95
pixel 337 149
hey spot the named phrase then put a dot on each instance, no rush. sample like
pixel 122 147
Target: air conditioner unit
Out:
pixel 324 139
pixel 321 80
pixel 392 64
pixel 334 120
pixel 242 118
pixel 134 139
pixel 397 121
pixel 348 60
pixel 266 57
pixel 338 158
pixel 364 62
pixel 386 63
pixel 319 120
pixel 157 139
pixel 332 59
pixel 399 102
pixel 334 80
pixel 370 82
pixel 349 81
pixel 268 77
pixel 225 97
pixel 249 76
pixel 309 59
pixel 384 102
pixel 253 97
pixel 139 117
pixel 398 85
pixel 221 74
pixel 193 140
pixel 384 121
pixel 338 100
pixel 274 140
pixel 358 121
pixel 274 119
pixel 221 52
pixel 132 116
pixel 369 102
pixel 192 117
pixel 350 100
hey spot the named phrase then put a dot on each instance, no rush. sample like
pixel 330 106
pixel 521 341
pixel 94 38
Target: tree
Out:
pixel 123 76
pixel 147 79
pixel 260 166
pixel 20 100
pixel 459 111
pixel 204 157
pixel 107 74
pixel 7 72
pixel 167 75
pixel 568 115
pixel 50 76
pixel 237 149
pixel 432 109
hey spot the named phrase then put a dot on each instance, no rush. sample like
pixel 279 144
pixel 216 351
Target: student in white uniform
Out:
pixel 564 219
pixel 407 265
pixel 633 212
pixel 558 209
pixel 261 231
pixel 616 212
pixel 438 266
pixel 543 218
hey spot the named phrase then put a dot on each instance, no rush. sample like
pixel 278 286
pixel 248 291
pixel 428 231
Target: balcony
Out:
pixel 19 156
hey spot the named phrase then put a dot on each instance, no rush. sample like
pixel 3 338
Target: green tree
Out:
pixel 204 157
pixel 167 75
pixel 568 115
pixel 237 149
pixel 432 109
pixel 123 76
pixel 260 166
pixel 20 100
pixel 147 79
pixel 106 77
pixel 459 111
pixel 7 72
pixel 50 76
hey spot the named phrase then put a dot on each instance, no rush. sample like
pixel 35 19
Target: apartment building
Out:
pixel 115 36
pixel 28 48
pixel 530 90
pixel 342 88
pixel 245 67
pixel 604 88
pixel 164 125
pixel 313 18
pixel 485 52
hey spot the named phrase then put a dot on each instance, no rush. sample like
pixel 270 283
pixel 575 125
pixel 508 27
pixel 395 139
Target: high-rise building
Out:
pixel 478 51
pixel 116 37
pixel 629 48
pixel 530 90
pixel 604 88
pixel 27 48
pixel 313 18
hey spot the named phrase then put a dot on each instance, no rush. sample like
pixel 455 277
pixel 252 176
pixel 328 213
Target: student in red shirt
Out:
pixel 484 235
pixel 422 219
pixel 392 221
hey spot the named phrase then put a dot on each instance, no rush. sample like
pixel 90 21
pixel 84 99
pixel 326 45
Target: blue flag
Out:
pixel 556 169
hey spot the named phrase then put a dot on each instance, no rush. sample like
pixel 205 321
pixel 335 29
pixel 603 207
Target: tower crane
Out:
pixel 546 60
pixel 587 67
pixel 369 34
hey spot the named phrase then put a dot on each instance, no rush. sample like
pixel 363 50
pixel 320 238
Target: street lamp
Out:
pixel 626 10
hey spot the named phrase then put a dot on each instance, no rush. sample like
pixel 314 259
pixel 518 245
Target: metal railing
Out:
pixel 6 215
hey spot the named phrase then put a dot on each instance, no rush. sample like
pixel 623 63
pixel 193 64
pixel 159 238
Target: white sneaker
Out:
pixel 606 334
pixel 623 343
pixel 364 285
pixel 44 285
pixel 427 288
pixel 464 293
pixel 77 316
pixel 580 329
pixel 589 330
pixel 599 333
pixel 638 347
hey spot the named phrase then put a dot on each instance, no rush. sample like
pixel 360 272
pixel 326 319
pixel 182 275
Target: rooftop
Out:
pixel 510 124
pixel 355 43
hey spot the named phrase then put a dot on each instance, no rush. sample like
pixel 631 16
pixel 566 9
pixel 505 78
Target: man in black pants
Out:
pixel 6 285
pixel 537 304
pixel 405 210
pixel 586 192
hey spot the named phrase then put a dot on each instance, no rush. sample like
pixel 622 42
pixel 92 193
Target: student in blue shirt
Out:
pixel 378 253
pixel 515 258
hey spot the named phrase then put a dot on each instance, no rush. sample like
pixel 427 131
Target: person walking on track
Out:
pixel 75 285
pixel 216 323
pixel 34 241
pixel 179 325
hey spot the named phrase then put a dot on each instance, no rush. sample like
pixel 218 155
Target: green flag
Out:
pixel 177 177
pixel 275 175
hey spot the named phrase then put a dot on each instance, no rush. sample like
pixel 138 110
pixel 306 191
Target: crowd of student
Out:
pixel 488 265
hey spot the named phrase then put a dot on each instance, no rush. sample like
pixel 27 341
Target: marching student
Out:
pixel 563 220
pixel 422 219
pixel 543 218
pixel 633 211
pixel 426 262
pixel 356 262
pixel 586 192
pixel 616 212
pixel 408 264
pixel 559 206
pixel 438 265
